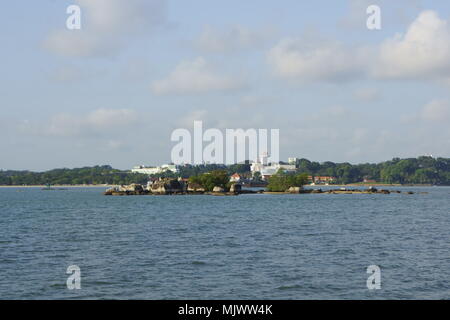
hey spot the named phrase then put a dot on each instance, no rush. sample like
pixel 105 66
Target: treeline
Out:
pixel 87 175
pixel 190 170
pixel 421 170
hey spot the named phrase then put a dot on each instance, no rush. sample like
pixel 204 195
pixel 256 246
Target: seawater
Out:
pixel 310 246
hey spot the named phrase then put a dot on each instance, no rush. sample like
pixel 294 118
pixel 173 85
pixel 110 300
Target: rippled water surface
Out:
pixel 315 246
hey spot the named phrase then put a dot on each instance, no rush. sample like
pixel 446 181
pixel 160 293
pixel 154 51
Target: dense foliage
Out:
pixel 87 175
pixel 282 181
pixel 209 180
pixel 422 170
pixel 189 170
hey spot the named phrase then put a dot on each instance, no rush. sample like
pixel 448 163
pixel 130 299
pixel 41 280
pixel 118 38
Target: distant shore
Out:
pixel 61 186
pixel 316 186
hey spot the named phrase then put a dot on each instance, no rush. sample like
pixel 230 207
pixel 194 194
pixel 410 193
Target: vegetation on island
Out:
pixel 190 171
pixel 79 176
pixel 282 181
pixel 209 180
pixel 421 170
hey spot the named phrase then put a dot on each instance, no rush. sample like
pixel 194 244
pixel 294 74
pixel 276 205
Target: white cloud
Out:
pixel 71 73
pixel 187 120
pixel 97 122
pixel 436 111
pixel 393 13
pixel 422 52
pixel 367 94
pixel 81 44
pixel 302 60
pixel 193 77
pixel 107 25
pixel 120 16
pixel 236 38
pixel 356 16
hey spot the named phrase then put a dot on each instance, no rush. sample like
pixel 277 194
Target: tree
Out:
pixel 209 180
pixel 257 176
pixel 281 181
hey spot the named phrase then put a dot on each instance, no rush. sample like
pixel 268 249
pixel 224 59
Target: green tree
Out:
pixel 282 181
pixel 209 180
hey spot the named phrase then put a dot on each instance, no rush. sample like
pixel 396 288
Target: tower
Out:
pixel 263 158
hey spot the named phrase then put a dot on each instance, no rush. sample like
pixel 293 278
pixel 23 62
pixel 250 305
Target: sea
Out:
pixel 307 246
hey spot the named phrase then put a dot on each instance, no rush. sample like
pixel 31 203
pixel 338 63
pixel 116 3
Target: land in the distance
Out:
pixel 412 171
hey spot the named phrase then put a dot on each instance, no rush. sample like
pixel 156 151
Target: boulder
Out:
pixel 294 190
pixel 167 186
pixel 134 187
pixel 195 188
pixel 236 188
pixel 218 189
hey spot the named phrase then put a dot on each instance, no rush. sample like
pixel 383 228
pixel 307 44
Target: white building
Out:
pixel 266 170
pixel 293 161
pixel 155 170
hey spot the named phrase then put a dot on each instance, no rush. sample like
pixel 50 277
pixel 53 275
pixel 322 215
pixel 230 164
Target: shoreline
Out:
pixel 306 186
pixel 62 186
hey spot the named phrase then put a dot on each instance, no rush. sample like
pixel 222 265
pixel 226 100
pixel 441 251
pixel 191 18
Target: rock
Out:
pixel 236 188
pixel 110 191
pixel 195 188
pixel 372 189
pixel 294 190
pixel 317 191
pixel 134 187
pixel 167 186
pixel 218 189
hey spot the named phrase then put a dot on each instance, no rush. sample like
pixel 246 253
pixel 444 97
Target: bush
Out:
pixel 282 181
pixel 209 180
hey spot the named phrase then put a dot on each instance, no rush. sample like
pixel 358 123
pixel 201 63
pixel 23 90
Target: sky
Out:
pixel 114 91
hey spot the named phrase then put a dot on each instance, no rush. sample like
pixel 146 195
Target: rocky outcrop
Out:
pixel 167 186
pixel 294 190
pixel 218 190
pixel 132 189
pixel 236 188
pixel 174 186
pixel 195 188
pixel 110 191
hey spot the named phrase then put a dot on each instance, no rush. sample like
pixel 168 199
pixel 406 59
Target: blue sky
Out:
pixel 112 92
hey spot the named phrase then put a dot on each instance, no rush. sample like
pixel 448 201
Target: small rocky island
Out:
pixel 180 187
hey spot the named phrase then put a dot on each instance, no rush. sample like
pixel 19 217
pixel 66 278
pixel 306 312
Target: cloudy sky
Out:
pixel 113 92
